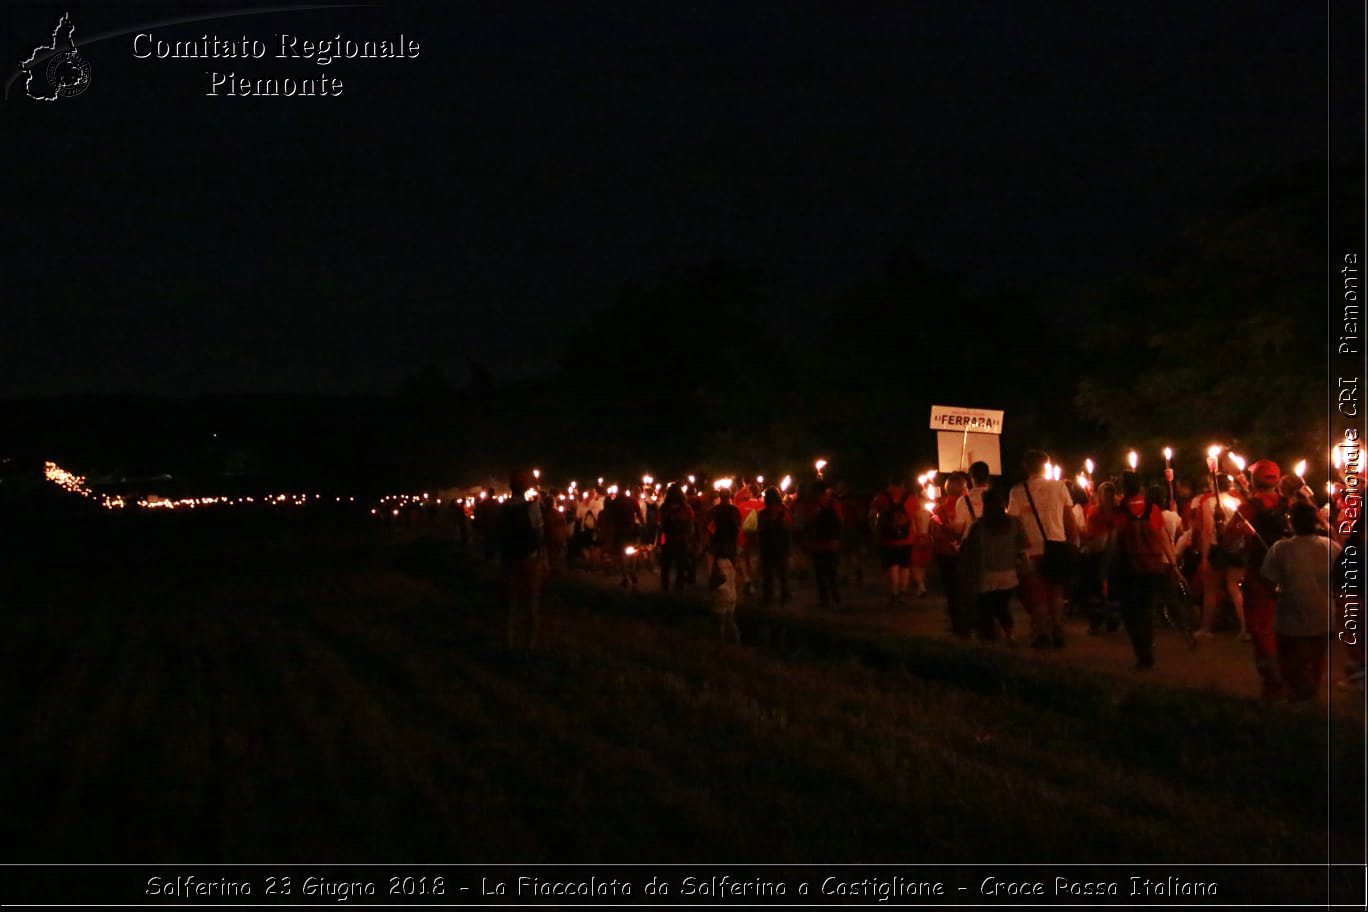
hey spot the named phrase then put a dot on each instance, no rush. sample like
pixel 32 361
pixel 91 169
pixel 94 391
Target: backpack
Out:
pixel 676 523
pixel 516 534
pixel 725 527
pixel 769 527
pixel 827 525
pixel 1140 553
pixel 1272 524
pixel 894 523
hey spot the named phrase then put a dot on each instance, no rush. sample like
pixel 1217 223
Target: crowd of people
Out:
pixel 1245 552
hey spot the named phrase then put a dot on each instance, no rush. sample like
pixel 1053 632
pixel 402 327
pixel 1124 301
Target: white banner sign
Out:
pixel 954 418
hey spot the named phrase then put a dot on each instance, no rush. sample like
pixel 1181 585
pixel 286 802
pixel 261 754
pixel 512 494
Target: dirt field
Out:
pixel 240 692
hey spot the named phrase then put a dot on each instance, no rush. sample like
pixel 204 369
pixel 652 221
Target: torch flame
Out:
pixel 629 551
pixel 530 494
pixel 1230 502
pixel 647 479
pixel 1213 451
pixel 929 506
pixel 1238 460
pixel 1058 471
pixel 722 484
pixel 1335 457
pixel 820 464
pixel 1300 469
pixel 1082 481
pixel 785 482
pixel 1133 459
pixel 1088 464
pixel 1168 454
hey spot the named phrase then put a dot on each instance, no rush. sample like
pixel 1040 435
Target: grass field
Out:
pixel 200 690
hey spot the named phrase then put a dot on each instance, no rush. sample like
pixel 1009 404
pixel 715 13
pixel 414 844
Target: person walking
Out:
pixel 774 534
pixel 1045 509
pixel 676 539
pixel 518 534
pixel 1143 556
pixel 994 549
pixel 824 544
pixel 1300 569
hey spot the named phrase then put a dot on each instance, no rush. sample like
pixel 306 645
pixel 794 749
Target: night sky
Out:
pixel 537 156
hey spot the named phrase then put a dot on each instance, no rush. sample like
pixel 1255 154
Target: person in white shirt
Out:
pixel 1300 567
pixel 970 507
pixel 1045 509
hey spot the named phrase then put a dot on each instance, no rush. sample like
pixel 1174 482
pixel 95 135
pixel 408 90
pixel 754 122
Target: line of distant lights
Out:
pixel 650 490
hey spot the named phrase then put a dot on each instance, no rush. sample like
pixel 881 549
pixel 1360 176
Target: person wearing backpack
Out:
pixel 893 527
pixel 824 544
pixel 993 551
pixel 774 535
pixel 970 507
pixel 518 531
pixel 1265 517
pixel 676 538
pixel 1144 554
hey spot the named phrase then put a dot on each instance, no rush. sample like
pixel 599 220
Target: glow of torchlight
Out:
pixel 536 473
pixel 1049 470
pixel 646 479
pixel 612 490
pixel 820 464
pixel 1335 458
pixel 785 482
pixel 929 506
pixel 692 480
pixel 1082 481
pixel 530 494
pixel 1230 502
pixel 1300 469
pixel 1238 461
pixel 722 484
pixel 1330 488
pixel 1089 465
pixel 1058 471
pixel 1133 459
pixel 1168 454
pixel 759 479
pixel 629 550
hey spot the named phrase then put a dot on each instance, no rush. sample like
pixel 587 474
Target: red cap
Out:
pixel 1265 472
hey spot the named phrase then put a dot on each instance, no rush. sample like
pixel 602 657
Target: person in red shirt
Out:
pixel 676 538
pixel 1098 534
pixel 1263 516
pixel 773 535
pixel 1143 556
pixel 894 528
